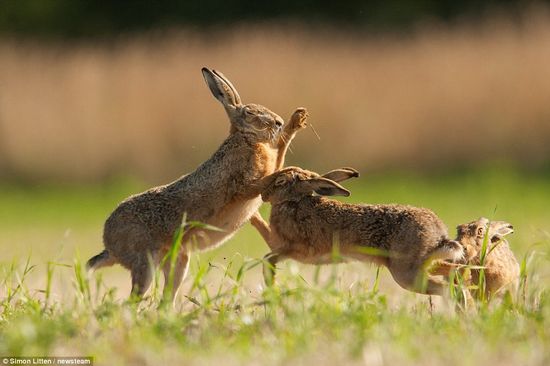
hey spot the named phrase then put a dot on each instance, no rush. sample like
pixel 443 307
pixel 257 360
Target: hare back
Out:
pixel 233 170
pixel 223 192
pixel 146 219
pixel 321 222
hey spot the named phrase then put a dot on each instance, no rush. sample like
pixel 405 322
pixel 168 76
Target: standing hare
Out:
pixel 222 192
pixel 500 265
pixel 307 227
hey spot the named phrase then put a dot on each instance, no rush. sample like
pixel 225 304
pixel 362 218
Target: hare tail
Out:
pixel 103 259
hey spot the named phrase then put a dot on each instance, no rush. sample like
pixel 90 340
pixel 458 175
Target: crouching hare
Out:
pixel 222 192
pixel 500 265
pixel 305 227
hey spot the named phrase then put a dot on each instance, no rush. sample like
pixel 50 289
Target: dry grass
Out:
pixel 139 106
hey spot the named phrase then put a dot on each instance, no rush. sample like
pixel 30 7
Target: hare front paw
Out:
pixel 298 120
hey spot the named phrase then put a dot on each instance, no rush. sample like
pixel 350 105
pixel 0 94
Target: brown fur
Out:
pixel 307 227
pixel 222 192
pixel 501 267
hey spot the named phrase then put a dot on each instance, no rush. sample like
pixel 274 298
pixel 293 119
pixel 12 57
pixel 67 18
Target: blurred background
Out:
pixel 438 103
pixel 95 90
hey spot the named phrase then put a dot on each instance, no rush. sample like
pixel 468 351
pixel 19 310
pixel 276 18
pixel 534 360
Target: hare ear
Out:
pixel 326 187
pixel 499 229
pixel 506 229
pixel 221 88
pixel 480 227
pixel 267 181
pixel 341 174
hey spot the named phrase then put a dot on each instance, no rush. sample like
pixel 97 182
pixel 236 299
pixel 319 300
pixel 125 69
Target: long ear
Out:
pixel 341 174
pixel 326 187
pixel 263 184
pixel 221 88
pixel 499 229
pixel 266 181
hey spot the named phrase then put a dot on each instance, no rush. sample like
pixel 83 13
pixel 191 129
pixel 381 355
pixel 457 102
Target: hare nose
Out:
pixel 279 124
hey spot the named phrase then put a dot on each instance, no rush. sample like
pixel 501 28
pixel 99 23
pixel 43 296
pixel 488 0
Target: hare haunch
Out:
pixel 306 227
pixel 222 192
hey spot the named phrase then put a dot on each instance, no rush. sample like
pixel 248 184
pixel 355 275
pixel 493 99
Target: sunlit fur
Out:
pixel 222 192
pixel 307 227
pixel 501 267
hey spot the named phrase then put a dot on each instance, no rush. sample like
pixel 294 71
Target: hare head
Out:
pixel 472 235
pixel 252 119
pixel 293 183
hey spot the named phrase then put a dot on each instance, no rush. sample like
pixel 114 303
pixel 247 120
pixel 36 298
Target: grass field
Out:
pixel 443 96
pixel 335 315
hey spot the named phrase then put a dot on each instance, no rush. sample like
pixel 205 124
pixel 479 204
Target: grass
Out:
pixel 342 314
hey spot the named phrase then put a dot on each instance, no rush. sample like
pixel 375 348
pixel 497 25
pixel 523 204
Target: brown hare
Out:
pixel 500 265
pixel 222 192
pixel 306 227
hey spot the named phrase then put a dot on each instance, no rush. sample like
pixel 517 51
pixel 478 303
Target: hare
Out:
pixel 222 192
pixel 500 265
pixel 307 227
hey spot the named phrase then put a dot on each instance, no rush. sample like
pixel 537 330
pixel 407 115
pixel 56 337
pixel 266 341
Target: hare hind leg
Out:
pixel 179 271
pixel 435 286
pixel 419 281
pixel 427 284
pixel 270 265
pixel 142 275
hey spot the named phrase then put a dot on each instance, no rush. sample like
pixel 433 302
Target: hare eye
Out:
pixel 480 232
